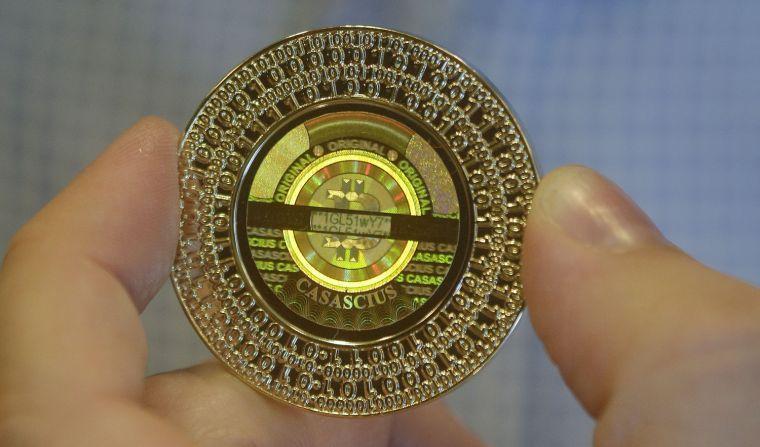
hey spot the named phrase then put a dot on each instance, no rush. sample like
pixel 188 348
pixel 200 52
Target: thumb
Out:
pixel 613 301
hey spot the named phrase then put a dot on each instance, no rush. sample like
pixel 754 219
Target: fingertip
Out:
pixel 579 218
pixel 122 210
pixel 152 141
pixel 548 256
pixel 562 175
pixel 582 235
pixel 155 128
pixel 140 169
pixel 546 252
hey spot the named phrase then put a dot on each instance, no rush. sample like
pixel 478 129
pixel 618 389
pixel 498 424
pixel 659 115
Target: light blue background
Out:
pixel 661 96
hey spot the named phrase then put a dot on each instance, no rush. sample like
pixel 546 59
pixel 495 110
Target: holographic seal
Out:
pixel 353 202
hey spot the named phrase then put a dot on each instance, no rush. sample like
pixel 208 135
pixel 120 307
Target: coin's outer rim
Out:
pixel 510 113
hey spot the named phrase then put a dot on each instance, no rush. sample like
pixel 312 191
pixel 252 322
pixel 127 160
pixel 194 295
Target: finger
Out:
pixel 76 275
pixel 216 408
pixel 431 425
pixel 611 299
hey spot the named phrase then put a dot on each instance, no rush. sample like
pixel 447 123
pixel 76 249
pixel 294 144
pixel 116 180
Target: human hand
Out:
pixel 610 305
pixel 73 351
pixel 661 350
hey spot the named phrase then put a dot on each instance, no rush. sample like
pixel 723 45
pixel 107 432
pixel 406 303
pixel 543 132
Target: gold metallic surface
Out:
pixel 353 201
pixel 288 148
pixel 418 152
pixel 399 262
pixel 347 204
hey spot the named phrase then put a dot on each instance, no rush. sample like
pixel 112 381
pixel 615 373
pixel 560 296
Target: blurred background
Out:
pixel 661 96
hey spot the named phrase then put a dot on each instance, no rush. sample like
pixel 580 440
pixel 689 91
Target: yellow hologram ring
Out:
pixel 412 201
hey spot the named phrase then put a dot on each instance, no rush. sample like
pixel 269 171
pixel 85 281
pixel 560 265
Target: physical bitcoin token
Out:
pixel 353 201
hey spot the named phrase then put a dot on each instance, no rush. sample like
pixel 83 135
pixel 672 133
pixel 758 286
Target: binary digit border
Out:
pixel 370 65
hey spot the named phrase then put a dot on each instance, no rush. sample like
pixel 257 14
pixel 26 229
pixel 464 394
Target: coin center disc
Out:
pixel 343 182
pixel 353 223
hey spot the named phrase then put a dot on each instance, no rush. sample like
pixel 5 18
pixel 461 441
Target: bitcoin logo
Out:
pixel 352 180
pixel 348 249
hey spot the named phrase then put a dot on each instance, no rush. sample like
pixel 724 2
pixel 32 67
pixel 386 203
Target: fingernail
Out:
pixel 592 210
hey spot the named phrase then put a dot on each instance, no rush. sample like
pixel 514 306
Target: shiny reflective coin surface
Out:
pixel 353 203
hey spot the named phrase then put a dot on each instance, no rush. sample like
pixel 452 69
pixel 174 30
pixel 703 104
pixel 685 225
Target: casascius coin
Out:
pixel 353 201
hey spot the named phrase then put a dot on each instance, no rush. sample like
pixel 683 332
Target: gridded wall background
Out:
pixel 662 97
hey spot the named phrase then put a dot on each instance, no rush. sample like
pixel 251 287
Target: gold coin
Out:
pixel 353 203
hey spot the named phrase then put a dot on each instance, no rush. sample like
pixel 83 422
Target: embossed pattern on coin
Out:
pixel 353 161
